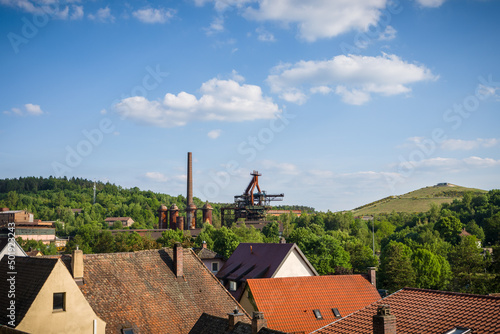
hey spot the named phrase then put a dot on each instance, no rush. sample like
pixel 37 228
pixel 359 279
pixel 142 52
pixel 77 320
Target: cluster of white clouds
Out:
pixel 355 78
pixel 451 164
pixel 221 100
pixel 29 110
pixel 67 9
pixel 153 15
pixel 457 144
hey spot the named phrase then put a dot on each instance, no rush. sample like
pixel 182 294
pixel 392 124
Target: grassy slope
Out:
pixel 415 201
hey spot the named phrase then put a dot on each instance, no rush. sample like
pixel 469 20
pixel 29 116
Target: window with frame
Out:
pixel 215 266
pixel 59 302
pixel 232 286
pixel 127 331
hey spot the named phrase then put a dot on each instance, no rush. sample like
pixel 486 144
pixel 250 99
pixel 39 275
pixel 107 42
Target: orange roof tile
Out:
pixel 288 302
pixel 426 311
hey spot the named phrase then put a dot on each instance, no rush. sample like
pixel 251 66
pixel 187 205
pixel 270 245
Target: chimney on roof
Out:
pixel 204 244
pixel 258 322
pixel 282 240
pixel 178 260
pixel 77 264
pixel 234 317
pixel 384 322
pixel 372 276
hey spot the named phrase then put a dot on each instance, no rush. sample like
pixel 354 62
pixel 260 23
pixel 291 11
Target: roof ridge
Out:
pixel 449 293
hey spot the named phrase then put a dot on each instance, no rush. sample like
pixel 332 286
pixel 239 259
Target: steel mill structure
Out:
pixel 252 205
pixel 169 217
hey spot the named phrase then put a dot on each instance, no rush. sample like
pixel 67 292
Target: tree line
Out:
pixel 424 250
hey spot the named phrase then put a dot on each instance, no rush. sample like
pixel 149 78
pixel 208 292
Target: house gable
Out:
pixel 295 264
pixel 77 315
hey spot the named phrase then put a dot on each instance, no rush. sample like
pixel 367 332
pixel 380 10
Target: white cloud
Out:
pixel 481 162
pixel 458 144
pixel 314 18
pixel 153 15
pixel 281 167
pixel 214 134
pixel 156 176
pixel 29 109
pixel 77 12
pixel 56 9
pixel 102 15
pixel 264 35
pixel 33 109
pixel 320 90
pixel 355 77
pixel 221 100
pixel 430 3
pixel 216 26
pixel 388 34
pixel 487 91
pixel 319 18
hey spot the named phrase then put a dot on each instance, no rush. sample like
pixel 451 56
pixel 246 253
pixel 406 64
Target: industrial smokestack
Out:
pixel 189 180
pixel 190 207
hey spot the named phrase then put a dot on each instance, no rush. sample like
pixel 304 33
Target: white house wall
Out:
pixel 293 266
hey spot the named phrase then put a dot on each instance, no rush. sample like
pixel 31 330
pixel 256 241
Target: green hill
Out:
pixel 416 201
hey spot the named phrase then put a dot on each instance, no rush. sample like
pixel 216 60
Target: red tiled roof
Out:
pixel 141 291
pixel 288 302
pixel 427 311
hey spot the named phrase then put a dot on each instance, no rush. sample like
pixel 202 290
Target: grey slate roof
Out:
pixel 30 275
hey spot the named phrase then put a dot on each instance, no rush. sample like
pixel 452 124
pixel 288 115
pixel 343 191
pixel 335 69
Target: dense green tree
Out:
pixel 361 256
pixel 467 263
pixel 396 270
pixel 449 228
pixel 225 241
pixel 170 237
pixel 247 234
pixel 432 271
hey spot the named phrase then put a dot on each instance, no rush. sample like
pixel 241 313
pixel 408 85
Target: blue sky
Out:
pixel 336 103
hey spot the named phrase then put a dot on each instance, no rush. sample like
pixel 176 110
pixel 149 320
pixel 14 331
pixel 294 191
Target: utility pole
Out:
pixel 94 191
pixel 373 235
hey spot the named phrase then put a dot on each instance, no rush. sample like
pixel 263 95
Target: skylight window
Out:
pixel 459 330
pixel 127 331
pixel 336 313
pixel 317 314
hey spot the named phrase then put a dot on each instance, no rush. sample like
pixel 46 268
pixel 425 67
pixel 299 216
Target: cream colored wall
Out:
pixel 245 302
pixel 78 316
pixel 293 266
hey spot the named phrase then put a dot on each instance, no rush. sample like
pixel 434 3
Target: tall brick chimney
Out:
pixel 384 322
pixel 234 317
pixel 258 322
pixel 178 260
pixel 372 276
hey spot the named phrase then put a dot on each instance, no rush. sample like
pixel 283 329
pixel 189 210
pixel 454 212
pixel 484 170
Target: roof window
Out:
pixel 317 314
pixel 336 313
pixel 459 330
